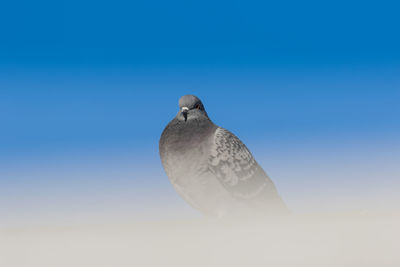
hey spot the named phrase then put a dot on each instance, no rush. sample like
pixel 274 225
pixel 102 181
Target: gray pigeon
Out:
pixel 211 168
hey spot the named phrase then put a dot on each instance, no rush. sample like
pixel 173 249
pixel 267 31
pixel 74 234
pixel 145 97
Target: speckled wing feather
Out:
pixel 235 167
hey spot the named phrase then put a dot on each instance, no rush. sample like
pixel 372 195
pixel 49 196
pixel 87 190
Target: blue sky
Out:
pixel 252 33
pixel 87 87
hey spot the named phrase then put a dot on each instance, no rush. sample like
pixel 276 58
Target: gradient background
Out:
pixel 86 88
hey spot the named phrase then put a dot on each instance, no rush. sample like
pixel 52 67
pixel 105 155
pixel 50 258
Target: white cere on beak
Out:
pixel 185 108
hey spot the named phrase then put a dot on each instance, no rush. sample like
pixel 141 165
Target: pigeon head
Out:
pixel 190 107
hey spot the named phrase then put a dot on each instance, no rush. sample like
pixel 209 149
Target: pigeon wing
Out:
pixel 235 167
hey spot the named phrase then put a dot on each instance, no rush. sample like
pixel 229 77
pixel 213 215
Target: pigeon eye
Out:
pixel 198 106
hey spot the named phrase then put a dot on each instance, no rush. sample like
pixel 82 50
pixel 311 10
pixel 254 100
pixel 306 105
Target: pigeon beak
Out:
pixel 185 112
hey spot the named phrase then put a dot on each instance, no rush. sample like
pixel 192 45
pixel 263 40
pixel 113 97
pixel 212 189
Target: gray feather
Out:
pixel 235 167
pixel 211 168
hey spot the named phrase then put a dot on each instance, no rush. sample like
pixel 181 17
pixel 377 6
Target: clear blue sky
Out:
pixel 86 88
pixel 187 33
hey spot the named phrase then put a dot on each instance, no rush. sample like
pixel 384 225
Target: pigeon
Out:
pixel 211 169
